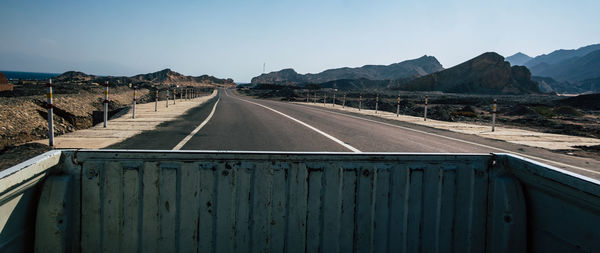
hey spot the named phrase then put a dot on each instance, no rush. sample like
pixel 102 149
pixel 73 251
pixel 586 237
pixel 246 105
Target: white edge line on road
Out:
pixel 455 139
pixel 338 141
pixel 187 138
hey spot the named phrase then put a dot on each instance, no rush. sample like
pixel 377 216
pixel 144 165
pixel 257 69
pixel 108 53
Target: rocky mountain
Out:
pixel 574 69
pixel 484 74
pixel 561 55
pixel 165 76
pixel 518 59
pixel 566 71
pixel 409 69
pixel 74 76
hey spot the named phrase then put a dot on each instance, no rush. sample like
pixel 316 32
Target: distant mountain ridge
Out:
pixel 485 74
pixel 562 54
pixel 518 59
pixel 566 71
pixel 403 70
pixel 165 76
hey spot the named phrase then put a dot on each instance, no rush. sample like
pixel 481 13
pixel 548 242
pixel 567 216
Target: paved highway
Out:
pixel 235 122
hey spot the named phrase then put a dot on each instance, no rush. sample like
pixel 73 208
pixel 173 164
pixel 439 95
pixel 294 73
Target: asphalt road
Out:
pixel 234 122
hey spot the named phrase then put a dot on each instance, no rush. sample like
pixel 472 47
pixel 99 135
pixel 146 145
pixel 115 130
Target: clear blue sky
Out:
pixel 234 38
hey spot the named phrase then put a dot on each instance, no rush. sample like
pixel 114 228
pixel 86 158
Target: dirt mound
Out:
pixel 285 93
pixel 24 119
pixel 466 111
pixel 589 101
pixel 521 110
pixel 13 155
pixel 567 111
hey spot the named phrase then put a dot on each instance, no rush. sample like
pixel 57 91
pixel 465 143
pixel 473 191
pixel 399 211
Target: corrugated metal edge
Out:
pixel 19 174
pixel 580 182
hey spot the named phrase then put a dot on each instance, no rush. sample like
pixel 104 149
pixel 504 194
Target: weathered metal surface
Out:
pixel 54 215
pixel 162 201
pixel 283 202
pixel 19 192
pixel 563 208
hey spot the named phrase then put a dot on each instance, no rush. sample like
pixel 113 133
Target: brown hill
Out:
pixel 484 74
pixel 3 78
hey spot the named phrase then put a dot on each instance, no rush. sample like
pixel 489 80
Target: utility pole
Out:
pixel 333 103
pixel 376 103
pixel 425 114
pixel 50 115
pixel 360 102
pixel 105 103
pixel 156 100
pixel 133 113
pixel 494 116
pixel 398 108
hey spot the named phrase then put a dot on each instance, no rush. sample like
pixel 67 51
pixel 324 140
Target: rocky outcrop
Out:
pixel 3 78
pixel 403 70
pixel 163 76
pixel 4 84
pixel 484 74
pixel 74 76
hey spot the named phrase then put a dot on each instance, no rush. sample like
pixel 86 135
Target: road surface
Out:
pixel 235 122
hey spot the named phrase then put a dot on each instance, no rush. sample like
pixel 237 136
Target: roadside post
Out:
pixel 494 115
pixel 315 98
pixel 344 101
pixel 333 103
pixel 360 102
pixel 307 96
pixel 167 103
pixel 175 96
pixel 156 100
pixel 105 103
pixel 324 98
pixel 398 106
pixel 186 94
pixel 50 115
pixel 425 114
pixel 180 95
pixel 133 113
pixel 376 103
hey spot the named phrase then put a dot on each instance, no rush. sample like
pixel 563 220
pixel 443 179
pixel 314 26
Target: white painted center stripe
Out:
pixel 353 149
pixel 187 138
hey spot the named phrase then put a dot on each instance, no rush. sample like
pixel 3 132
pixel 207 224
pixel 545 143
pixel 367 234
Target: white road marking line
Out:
pixel 353 149
pixel 187 138
pixel 459 140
